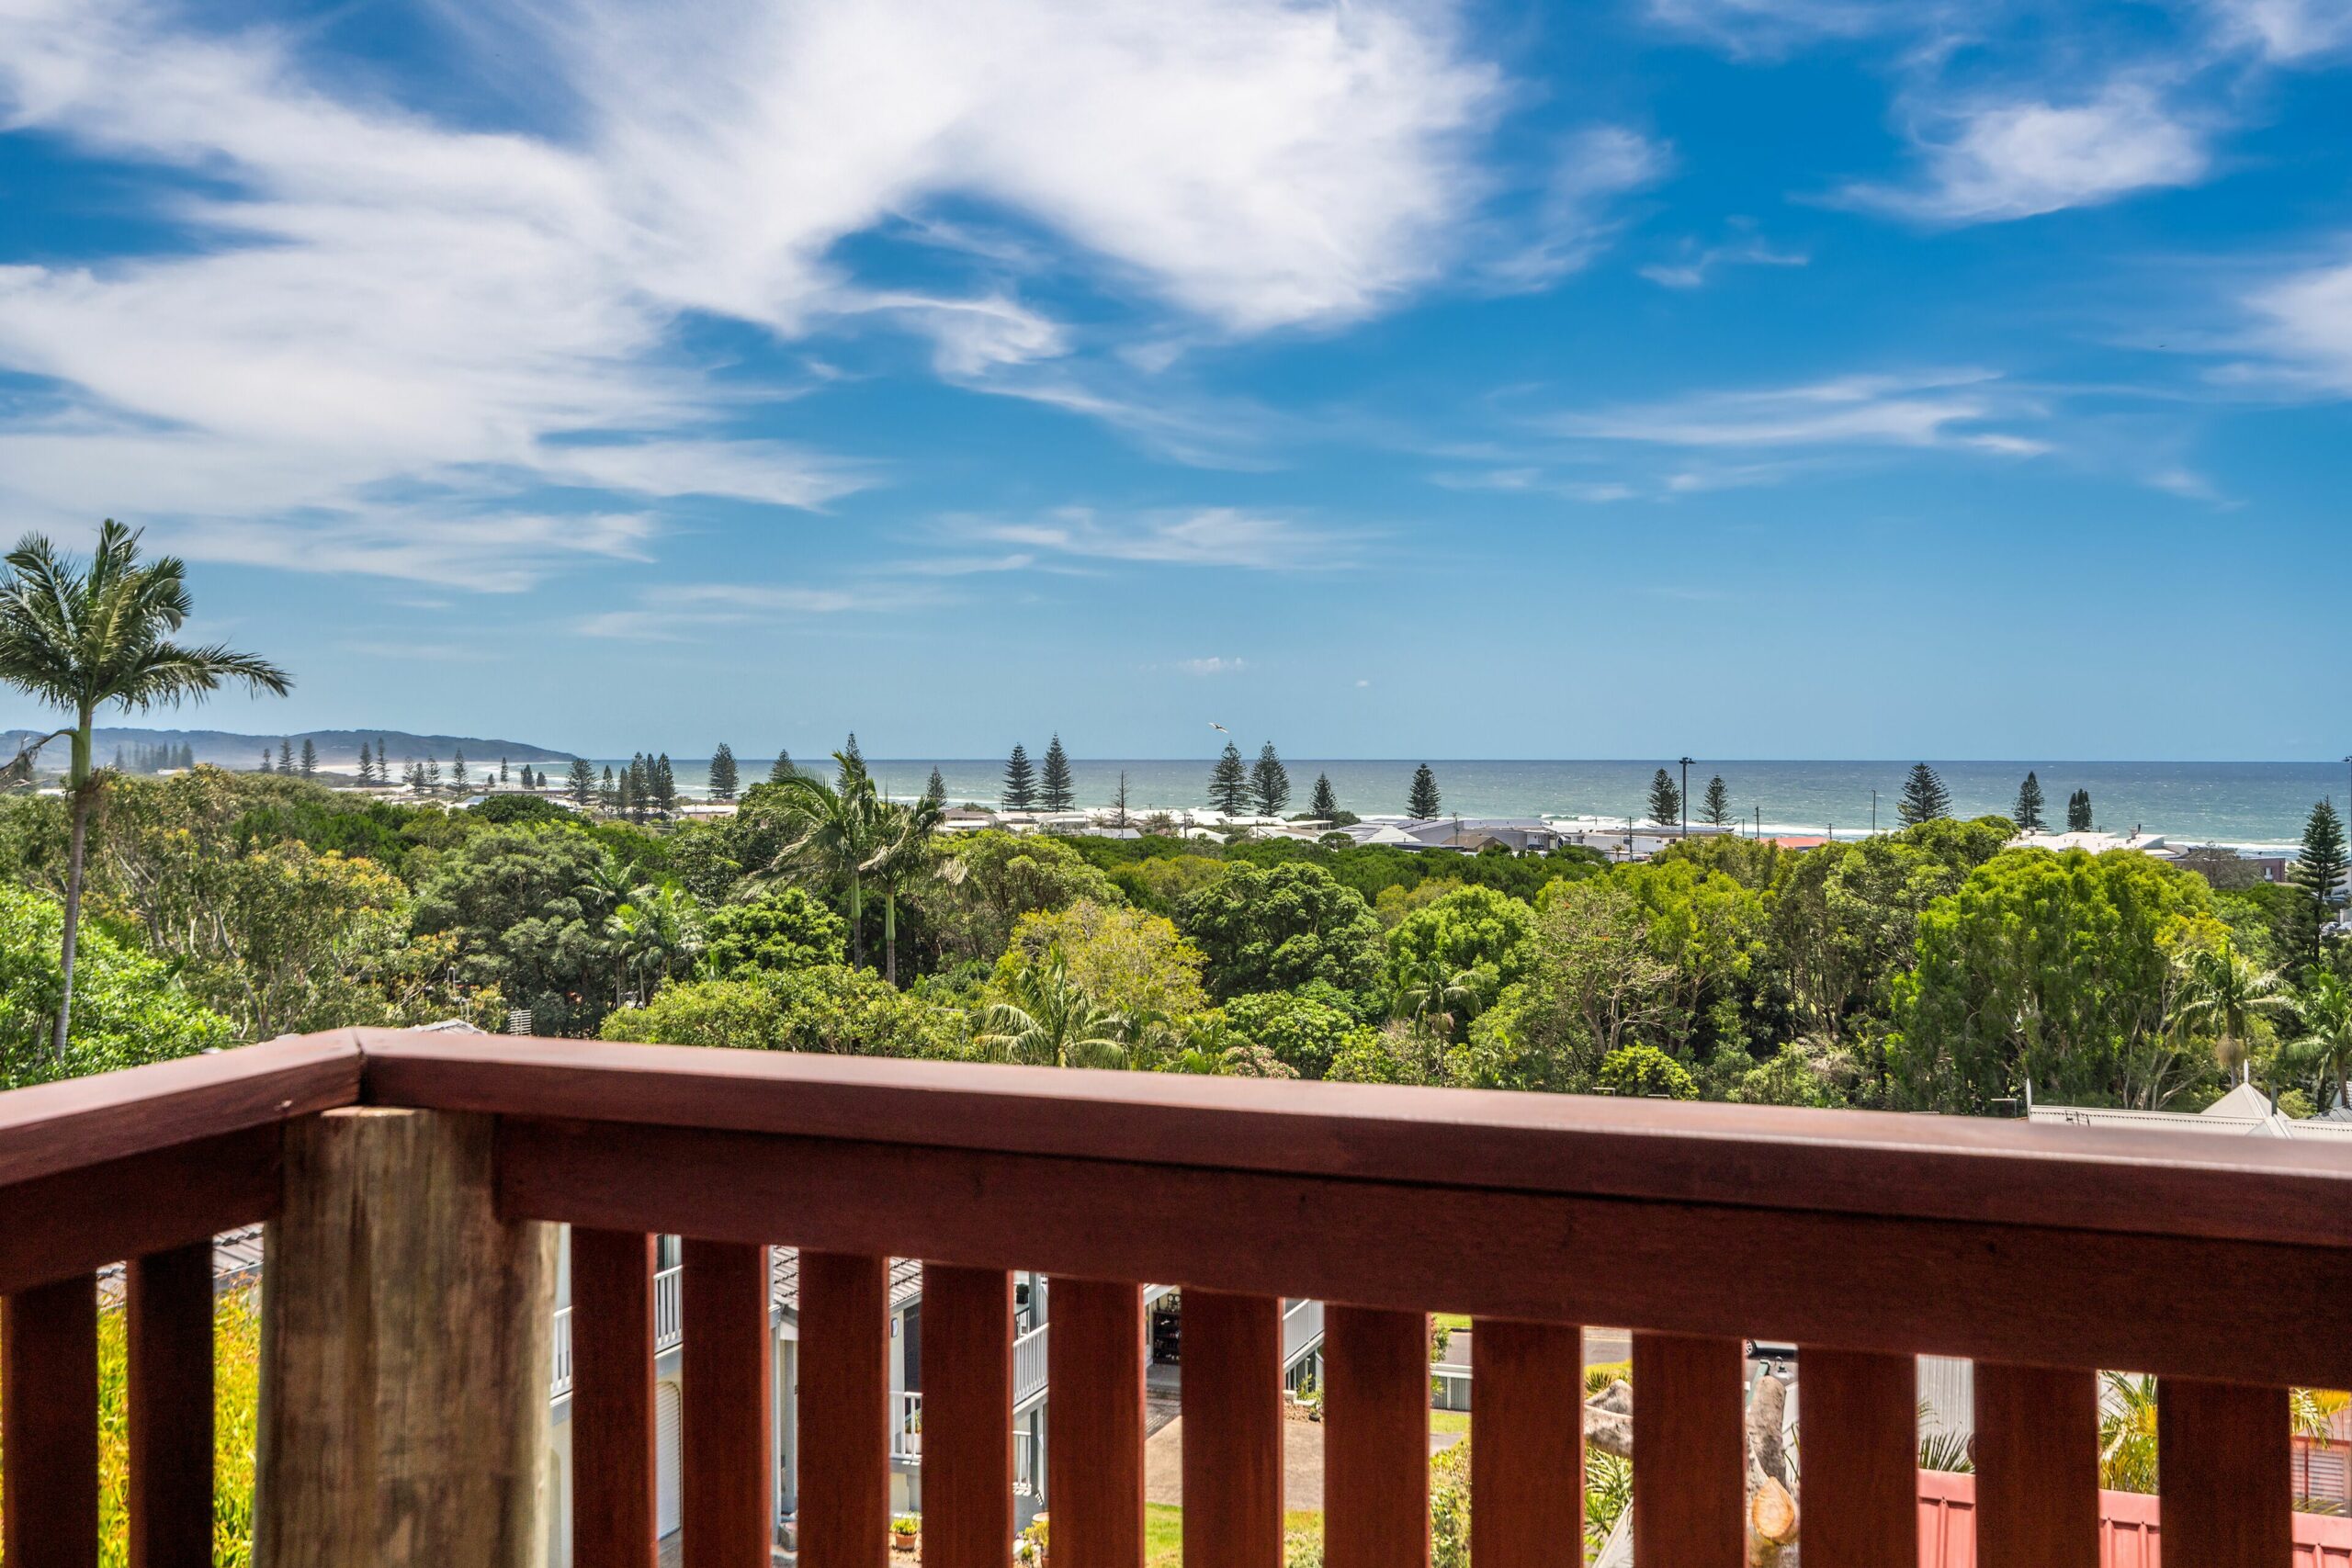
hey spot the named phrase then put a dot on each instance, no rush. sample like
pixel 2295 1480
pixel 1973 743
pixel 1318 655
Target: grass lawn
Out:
pixel 1163 1531
pixel 1454 1320
pixel 1449 1421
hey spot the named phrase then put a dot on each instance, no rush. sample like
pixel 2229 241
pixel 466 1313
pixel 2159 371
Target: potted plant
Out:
pixel 906 1532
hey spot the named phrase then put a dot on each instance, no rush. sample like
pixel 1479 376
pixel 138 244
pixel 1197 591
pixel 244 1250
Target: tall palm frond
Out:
pixel 1051 1021
pixel 832 828
pixel 2326 1007
pixel 2224 992
pixel 903 852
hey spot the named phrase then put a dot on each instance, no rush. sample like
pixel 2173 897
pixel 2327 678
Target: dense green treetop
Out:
pixel 1269 929
pixel 1476 932
pixel 1129 960
pixel 2049 969
pixel 991 879
pixel 1306 1029
pixel 832 1008
pixel 129 1008
pixel 527 907
pixel 782 928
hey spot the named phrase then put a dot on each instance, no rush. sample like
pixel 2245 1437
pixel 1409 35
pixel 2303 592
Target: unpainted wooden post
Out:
pixel 406 1338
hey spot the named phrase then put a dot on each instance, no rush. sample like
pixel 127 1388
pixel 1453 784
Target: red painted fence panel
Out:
pixel 2128 1533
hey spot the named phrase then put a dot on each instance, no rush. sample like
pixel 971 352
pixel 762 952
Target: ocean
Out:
pixel 2252 805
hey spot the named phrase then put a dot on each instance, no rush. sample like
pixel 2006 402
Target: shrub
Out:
pixel 1645 1071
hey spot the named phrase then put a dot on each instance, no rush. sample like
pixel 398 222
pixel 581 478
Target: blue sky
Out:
pixel 1754 377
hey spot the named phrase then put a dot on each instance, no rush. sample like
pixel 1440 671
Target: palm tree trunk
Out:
pixel 73 915
pixel 79 781
pixel 890 933
pixel 856 922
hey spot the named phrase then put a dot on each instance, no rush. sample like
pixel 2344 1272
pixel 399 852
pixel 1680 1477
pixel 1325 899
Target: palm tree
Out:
pixel 1050 1022
pixel 656 932
pixel 1426 995
pixel 610 882
pixel 902 837
pixel 2127 1433
pixel 2326 1009
pixel 2310 1414
pixel 2226 993
pixel 834 828
pixel 81 639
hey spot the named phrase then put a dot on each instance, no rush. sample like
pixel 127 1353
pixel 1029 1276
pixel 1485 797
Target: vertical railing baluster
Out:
pixel 1375 1438
pixel 844 1410
pixel 1094 1452
pixel 615 1508
pixel 2037 1467
pixel 727 1454
pixel 1859 1426
pixel 49 1425
pixel 1689 1452
pixel 167 1309
pixel 1233 1430
pixel 966 1417
pixel 1526 1443
pixel 2226 1474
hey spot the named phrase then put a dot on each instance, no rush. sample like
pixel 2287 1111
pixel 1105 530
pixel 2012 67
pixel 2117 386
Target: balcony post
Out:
pixel 406 1338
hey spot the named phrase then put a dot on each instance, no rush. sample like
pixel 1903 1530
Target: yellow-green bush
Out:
pixel 235 1392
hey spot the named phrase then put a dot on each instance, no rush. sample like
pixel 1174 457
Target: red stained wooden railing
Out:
pixel 2044 1253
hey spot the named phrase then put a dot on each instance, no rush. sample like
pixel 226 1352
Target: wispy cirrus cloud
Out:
pixel 1572 215
pixel 2298 332
pixel 1215 664
pixel 1958 410
pixel 1998 159
pixel 1695 263
pixel 2288 31
pixel 688 611
pixel 1200 536
pixel 374 297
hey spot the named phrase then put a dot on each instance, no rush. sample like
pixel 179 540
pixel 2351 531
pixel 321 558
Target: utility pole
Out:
pixel 1686 797
pixel 1873 813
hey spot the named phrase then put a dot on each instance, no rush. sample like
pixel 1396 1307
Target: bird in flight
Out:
pixel 1218 727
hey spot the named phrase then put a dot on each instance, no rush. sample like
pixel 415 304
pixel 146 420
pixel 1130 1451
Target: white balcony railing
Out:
pixel 906 1429
pixel 1302 1331
pixel 1029 1365
pixel 667 1331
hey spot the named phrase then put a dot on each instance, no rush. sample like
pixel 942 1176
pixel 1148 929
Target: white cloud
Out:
pixel 2286 30
pixel 1571 219
pixel 2302 330
pixel 1205 536
pixel 378 298
pixel 490 553
pixel 676 611
pixel 1994 160
pixel 1771 26
pixel 1946 409
pixel 1213 665
pixel 1696 263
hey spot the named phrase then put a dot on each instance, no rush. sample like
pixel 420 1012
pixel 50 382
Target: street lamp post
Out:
pixel 1686 797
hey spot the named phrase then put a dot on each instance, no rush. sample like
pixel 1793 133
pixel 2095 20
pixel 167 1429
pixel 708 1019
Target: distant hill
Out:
pixel 338 749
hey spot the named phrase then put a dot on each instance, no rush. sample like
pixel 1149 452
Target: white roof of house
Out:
pixel 2244 1111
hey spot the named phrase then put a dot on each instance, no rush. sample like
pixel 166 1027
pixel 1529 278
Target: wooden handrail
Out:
pixel 78 1123
pixel 1874 1164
